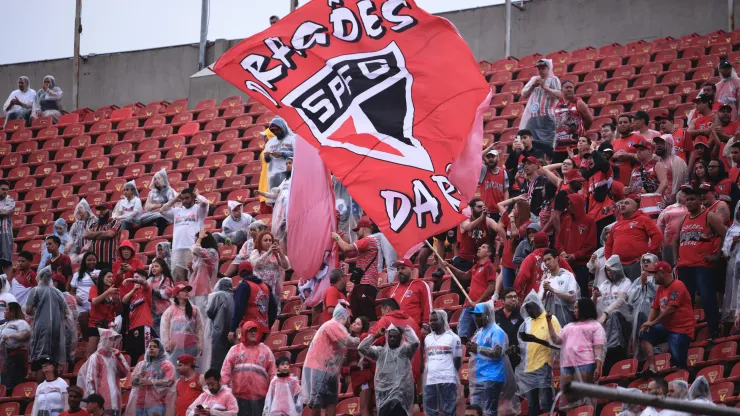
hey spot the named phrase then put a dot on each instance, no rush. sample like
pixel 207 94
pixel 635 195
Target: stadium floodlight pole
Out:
pixel 730 15
pixel 293 5
pixel 507 45
pixel 627 396
pixel 76 58
pixel 203 34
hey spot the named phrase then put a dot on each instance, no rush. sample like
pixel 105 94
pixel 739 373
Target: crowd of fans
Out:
pixel 578 254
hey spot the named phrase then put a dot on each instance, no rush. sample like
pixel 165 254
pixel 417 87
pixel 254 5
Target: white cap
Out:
pixel 492 152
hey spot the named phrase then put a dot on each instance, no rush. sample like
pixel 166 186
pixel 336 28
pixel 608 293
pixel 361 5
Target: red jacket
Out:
pixel 531 271
pixel 631 238
pixel 399 318
pixel 135 264
pixel 577 234
pixel 415 299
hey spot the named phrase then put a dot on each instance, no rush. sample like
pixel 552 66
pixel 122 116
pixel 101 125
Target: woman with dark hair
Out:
pixel 51 395
pixel 581 344
pixel 104 302
pixel 513 225
pixel 725 188
pixel 82 281
pixel 362 369
pixel 14 337
pixel 699 173
pixel 139 304
pixel 182 325
pixel 160 280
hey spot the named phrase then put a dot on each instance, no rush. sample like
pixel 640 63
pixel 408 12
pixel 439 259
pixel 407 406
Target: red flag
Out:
pixel 387 92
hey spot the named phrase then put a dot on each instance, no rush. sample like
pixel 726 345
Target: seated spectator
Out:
pixel 657 387
pixel 128 210
pixel 16 333
pixel 164 253
pixel 48 101
pixel 84 219
pixel 597 261
pixel 284 397
pixel 104 236
pixel 671 319
pixel 60 230
pixel 160 193
pixel 216 399
pixel 235 228
pixel 544 89
pixel 632 235
pixel 189 217
pixel 24 279
pixel 558 290
pixel 699 391
pixel 254 229
pixel 614 313
pixel 20 102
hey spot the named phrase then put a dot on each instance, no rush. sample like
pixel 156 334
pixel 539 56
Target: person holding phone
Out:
pixel 216 399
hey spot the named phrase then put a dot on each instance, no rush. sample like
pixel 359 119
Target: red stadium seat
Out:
pixel 693 53
pixel 624 72
pixel 27 147
pixel 216 161
pixel 714 374
pixel 610 62
pixel 695 356
pixel 665 56
pixel 227 136
pixel 67 119
pixel 638 60
pixel 47 133
pixel 611 409
pixel 722 353
pixel 582 411
pixel 134 171
pixel 233 101
pixel 597 76
pixel 599 99
pixel 612 110
pixel 181 119
pixel 711 61
pixel 703 74
pixel 127 125
pixel 621 370
pixel 80 178
pixel 189 129
pixel 587 89
pixel 723 393
pixel 616 86
pixel 644 82
pixel 349 406
pixel 512 87
pixel 177 106
pixel 276 342
pixel 627 97
pixel 241 122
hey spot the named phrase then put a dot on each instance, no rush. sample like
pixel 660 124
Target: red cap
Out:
pixel 363 223
pixel 403 262
pixel 574 175
pixel 701 140
pixel 687 188
pixel 531 159
pixel 182 286
pixel 661 266
pixel 106 205
pixel 647 144
pixel 541 240
pixel 706 186
pixel 186 359
pixel 245 266
pixel 59 278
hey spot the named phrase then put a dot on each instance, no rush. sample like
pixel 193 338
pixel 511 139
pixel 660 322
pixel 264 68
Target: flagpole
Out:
pixel 441 261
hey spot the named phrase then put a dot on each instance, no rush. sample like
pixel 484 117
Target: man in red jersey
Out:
pixel 701 125
pixel 633 235
pixel 412 295
pixel 494 182
pixel 682 143
pixel 334 293
pixel 624 152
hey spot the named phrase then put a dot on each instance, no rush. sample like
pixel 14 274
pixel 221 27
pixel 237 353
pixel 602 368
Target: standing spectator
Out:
pixel 270 262
pixel 682 145
pixel 277 150
pixel 104 302
pixel 669 223
pixel 671 319
pixel 559 289
pixel 640 126
pixel 84 219
pixel 526 246
pixel 324 361
pixel 493 181
pixel 7 206
pixel 50 313
pixel 160 280
pixel 640 298
pixel 728 86
pixel 700 127
pixel 51 394
pixel 533 185
pixel 648 176
pixel 205 269
pixel 14 336
pixel 514 225
pixel 695 251
pixel 334 293
pixel 510 319
pixel 491 365
pixel 724 187
pixel 520 150
pixel 160 193
pixel 709 201
pixel 58 262
pixel 572 120
pixel 539 115
pixel 284 397
pixel 153 383
pixel 164 252
pixel 623 148
pixel 607 133
pixel 533 269
pixel 248 368
pixel 443 352
pixel 677 173
pixel 393 315
pixel 48 101
pixel 253 302
pixel 475 231
pixel 731 251
pixel 365 274
pixel 189 386
pixel 104 236
pixel 412 295
pixel 182 325
pixel 632 235
pixel 128 209
pixel 70 321
pixel 235 228
pixel 576 240
pixel 534 373
pixel 394 385
pixel 189 217
pixel 610 297
pixel 125 265
pixel 139 303
pixel 24 279
pixel 82 281
pixel 220 311
pixel 104 369
pixel 600 187
pixel 597 261
pixel 216 400
pixel 74 398
pixel 482 278
pixel 60 230
pixel 255 229
pixel 19 103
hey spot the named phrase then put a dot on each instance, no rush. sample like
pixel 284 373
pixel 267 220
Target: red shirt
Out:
pixel 675 294
pixel 187 392
pixel 692 245
pixel 332 296
pixel 415 299
pixel 734 173
pixel 471 240
pixel 625 167
pixel 105 311
pixel 140 307
pixel 633 237
pixel 81 412
pixel 507 258
pixel 723 189
pixel 367 258
pixel 135 264
pixel 682 144
pixel 480 276
pixel 492 188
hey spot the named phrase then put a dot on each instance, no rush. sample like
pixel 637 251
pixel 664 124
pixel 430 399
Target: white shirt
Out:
pixel 277 165
pixel 20 292
pixel 26 97
pixel 564 282
pixel 12 328
pixel 50 396
pixel 188 222
pixel 128 210
pixel 231 226
pixel 83 288
pixel 440 351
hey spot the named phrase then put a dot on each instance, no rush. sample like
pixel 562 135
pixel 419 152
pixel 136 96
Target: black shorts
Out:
pixel 322 388
pixel 93 332
pixel 450 236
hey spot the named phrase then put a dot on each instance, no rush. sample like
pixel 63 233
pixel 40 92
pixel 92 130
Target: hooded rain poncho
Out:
pixel 156 198
pixel 248 368
pixel 538 378
pixel 102 372
pixel 613 302
pixel 394 380
pixel 699 390
pixel 160 371
pixel 48 102
pixel 640 299
pixel 220 310
pixel 51 319
pixel 64 236
pixel 26 97
pixel 559 307
pixel 77 239
pixel 284 397
pixel 731 250
pixel 430 406
pixel 597 266
pixel 285 146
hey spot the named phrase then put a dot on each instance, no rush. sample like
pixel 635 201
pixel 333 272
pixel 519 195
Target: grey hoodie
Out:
pixel 525 247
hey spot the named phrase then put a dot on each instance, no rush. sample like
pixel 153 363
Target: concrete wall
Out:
pixel 545 26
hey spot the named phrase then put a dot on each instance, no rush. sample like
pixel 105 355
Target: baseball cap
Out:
pixel 492 152
pixel 661 266
pixel 725 106
pixel 724 63
pixel 106 205
pixel 541 240
pixel 531 159
pixel 363 223
pixel 59 278
pixel 186 359
pixel 701 140
pixel 574 175
pixel 664 116
pixel 687 189
pixel 644 143
pixel 182 286
pixel 606 147
pixel 479 309
pixel 705 187
pixel 95 398
pixel 245 267
pixel 403 262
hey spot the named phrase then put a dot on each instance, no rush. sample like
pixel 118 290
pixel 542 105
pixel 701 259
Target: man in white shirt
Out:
pixel 129 209
pixel 559 289
pixel 19 103
pixel 277 150
pixel 236 226
pixel 443 352
pixel 188 219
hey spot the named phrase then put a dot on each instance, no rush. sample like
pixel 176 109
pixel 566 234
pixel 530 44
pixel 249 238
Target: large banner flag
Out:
pixel 387 92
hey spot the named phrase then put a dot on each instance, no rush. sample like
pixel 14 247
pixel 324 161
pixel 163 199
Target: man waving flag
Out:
pixel 388 93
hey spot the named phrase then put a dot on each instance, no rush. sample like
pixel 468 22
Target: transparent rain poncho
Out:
pixel 220 310
pixel 51 318
pixel 630 409
pixel 565 281
pixel 280 212
pixel 394 379
pixel 160 396
pixel 428 406
pixel 284 397
pixel 102 372
pixel 731 250
pixel 613 303
pixel 78 244
pixel 508 401
pixel 640 299
pixel 530 375
pixel 699 390
pixel 349 211
pixel 596 266
pixel 326 354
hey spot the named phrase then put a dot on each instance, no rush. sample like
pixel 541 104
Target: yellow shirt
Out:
pixel 539 355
